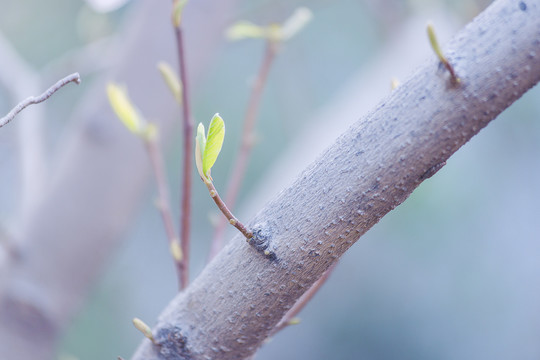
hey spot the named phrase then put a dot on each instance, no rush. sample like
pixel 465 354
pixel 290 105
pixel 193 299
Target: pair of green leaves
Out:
pixel 273 32
pixel 208 147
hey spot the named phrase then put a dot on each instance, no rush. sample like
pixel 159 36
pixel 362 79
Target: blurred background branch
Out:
pixel 364 174
pixel 90 194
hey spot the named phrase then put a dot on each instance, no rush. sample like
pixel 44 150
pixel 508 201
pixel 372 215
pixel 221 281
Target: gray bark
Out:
pixel 228 311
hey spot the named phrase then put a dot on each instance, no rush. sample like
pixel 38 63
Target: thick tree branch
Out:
pixel 230 309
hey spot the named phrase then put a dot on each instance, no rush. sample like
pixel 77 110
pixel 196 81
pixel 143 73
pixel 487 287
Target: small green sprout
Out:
pixel 145 329
pixel 207 148
pixel 245 30
pixel 171 79
pixel 273 32
pixel 178 9
pixel 434 42
pixel 437 49
pixel 128 114
pixel 123 108
pixel 294 321
pixel 176 250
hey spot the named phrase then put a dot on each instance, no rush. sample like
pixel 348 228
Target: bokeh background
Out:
pixel 453 273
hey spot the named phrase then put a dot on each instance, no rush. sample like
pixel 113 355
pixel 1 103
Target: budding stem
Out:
pixel 225 210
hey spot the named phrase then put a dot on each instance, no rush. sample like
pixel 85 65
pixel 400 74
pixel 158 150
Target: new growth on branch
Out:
pixel 207 149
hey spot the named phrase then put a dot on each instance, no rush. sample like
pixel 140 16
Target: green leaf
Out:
pixel 214 142
pixel 244 30
pixel 178 8
pixel 142 327
pixel 171 79
pixel 200 143
pixel 124 109
pixel 434 43
pixel 201 137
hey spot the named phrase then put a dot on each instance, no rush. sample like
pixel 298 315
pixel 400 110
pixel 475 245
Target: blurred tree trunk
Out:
pixel 230 309
pixel 68 234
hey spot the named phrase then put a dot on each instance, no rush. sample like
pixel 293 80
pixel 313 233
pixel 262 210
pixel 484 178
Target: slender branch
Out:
pixel 225 210
pixel 248 135
pixel 185 201
pixel 37 99
pixel 156 159
pixel 302 301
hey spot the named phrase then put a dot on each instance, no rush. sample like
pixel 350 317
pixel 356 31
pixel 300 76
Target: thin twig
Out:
pixel 156 159
pixel 185 201
pixel 37 99
pixel 248 135
pixel 453 76
pixel 302 301
pixel 225 210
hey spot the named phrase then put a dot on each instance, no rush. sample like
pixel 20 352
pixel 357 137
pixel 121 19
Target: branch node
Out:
pixel 261 240
pixel 173 343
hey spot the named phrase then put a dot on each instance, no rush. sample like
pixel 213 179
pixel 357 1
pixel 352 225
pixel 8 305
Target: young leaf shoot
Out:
pixel 274 35
pixel 207 149
pixel 275 32
pixel 124 109
pixel 171 79
pixel 214 142
pixel 437 49
pixel 200 143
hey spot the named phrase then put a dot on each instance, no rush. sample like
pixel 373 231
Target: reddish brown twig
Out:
pixel 156 159
pixel 248 135
pixel 185 201
pixel 225 210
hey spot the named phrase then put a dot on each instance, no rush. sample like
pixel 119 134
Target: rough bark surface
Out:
pixel 228 311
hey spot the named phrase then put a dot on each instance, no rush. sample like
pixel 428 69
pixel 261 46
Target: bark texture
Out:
pixel 228 311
